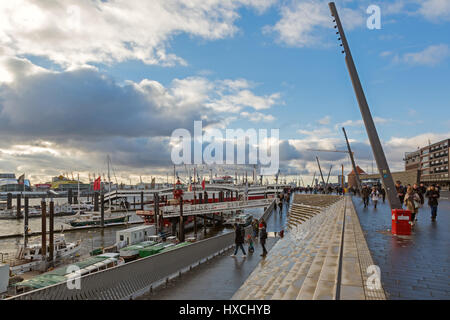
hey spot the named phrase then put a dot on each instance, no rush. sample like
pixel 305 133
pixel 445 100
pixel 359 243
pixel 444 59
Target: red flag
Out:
pixel 203 184
pixel 97 184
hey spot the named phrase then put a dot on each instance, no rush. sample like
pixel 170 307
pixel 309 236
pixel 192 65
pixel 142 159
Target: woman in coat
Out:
pixel 239 239
pixel 412 202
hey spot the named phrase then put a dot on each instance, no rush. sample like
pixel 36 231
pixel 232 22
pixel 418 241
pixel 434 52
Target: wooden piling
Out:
pixel 102 210
pixel 70 196
pixel 181 236
pixel 25 223
pixel 43 229
pixel 96 201
pixel 19 205
pixel 9 198
pixel 51 231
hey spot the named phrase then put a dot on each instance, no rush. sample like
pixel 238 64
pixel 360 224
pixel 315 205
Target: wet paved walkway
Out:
pixel 412 267
pixel 220 277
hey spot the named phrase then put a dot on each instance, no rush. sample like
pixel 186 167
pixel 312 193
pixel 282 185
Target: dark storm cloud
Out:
pixel 84 104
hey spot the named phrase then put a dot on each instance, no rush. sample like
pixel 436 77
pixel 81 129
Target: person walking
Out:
pixel 412 202
pixel 263 237
pixel 383 194
pixel 418 191
pixel 433 196
pixel 251 247
pixel 375 195
pixel 365 195
pixel 239 240
pixel 400 191
pixel 255 227
pixel 423 191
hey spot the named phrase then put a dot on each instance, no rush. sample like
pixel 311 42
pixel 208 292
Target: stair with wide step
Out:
pixel 319 258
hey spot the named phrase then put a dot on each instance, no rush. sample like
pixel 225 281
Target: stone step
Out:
pixel 311 283
pixel 298 279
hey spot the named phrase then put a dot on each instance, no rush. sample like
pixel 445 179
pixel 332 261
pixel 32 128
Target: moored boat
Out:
pixel 30 257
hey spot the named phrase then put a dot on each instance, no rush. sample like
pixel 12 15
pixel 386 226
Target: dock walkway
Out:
pixel 221 277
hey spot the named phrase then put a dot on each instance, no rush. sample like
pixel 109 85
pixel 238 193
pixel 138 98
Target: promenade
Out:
pixel 412 267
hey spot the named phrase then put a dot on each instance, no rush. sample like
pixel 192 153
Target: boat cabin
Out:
pixel 136 234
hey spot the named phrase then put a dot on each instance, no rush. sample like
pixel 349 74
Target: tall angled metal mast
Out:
pixel 375 143
pixel 329 172
pixel 358 181
pixel 320 169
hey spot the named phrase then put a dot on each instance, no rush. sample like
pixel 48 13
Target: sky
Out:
pixel 83 79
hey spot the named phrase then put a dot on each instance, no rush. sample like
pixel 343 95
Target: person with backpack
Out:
pixel 239 240
pixel 263 237
pixel 433 196
pixel 412 202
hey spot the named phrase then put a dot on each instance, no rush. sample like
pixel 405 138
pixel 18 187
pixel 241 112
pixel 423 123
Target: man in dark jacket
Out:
pixel 383 194
pixel 417 190
pixel 422 190
pixel 365 195
pixel 239 239
pixel 400 191
pixel 433 196
pixel 263 237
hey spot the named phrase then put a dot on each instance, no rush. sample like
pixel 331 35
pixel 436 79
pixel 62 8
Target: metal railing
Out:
pixel 134 278
pixel 138 277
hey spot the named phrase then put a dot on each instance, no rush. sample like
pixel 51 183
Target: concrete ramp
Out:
pixel 323 256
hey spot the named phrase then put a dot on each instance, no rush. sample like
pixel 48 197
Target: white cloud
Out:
pixel 435 9
pixel 325 120
pixel 430 56
pixel 77 32
pixel 257 116
pixel 302 22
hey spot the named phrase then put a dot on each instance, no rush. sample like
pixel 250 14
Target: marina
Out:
pixel 248 151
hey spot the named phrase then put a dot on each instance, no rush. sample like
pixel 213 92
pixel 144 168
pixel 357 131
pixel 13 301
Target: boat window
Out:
pixel 121 237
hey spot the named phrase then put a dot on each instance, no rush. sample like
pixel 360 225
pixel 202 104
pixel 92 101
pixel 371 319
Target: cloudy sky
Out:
pixel 81 79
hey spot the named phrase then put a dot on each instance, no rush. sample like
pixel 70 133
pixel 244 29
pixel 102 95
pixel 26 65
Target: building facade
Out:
pixel 432 163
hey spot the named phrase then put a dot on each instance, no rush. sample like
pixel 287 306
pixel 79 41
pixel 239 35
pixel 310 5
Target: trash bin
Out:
pixel 401 222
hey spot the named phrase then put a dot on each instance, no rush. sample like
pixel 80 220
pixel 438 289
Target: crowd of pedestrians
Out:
pixel 412 197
